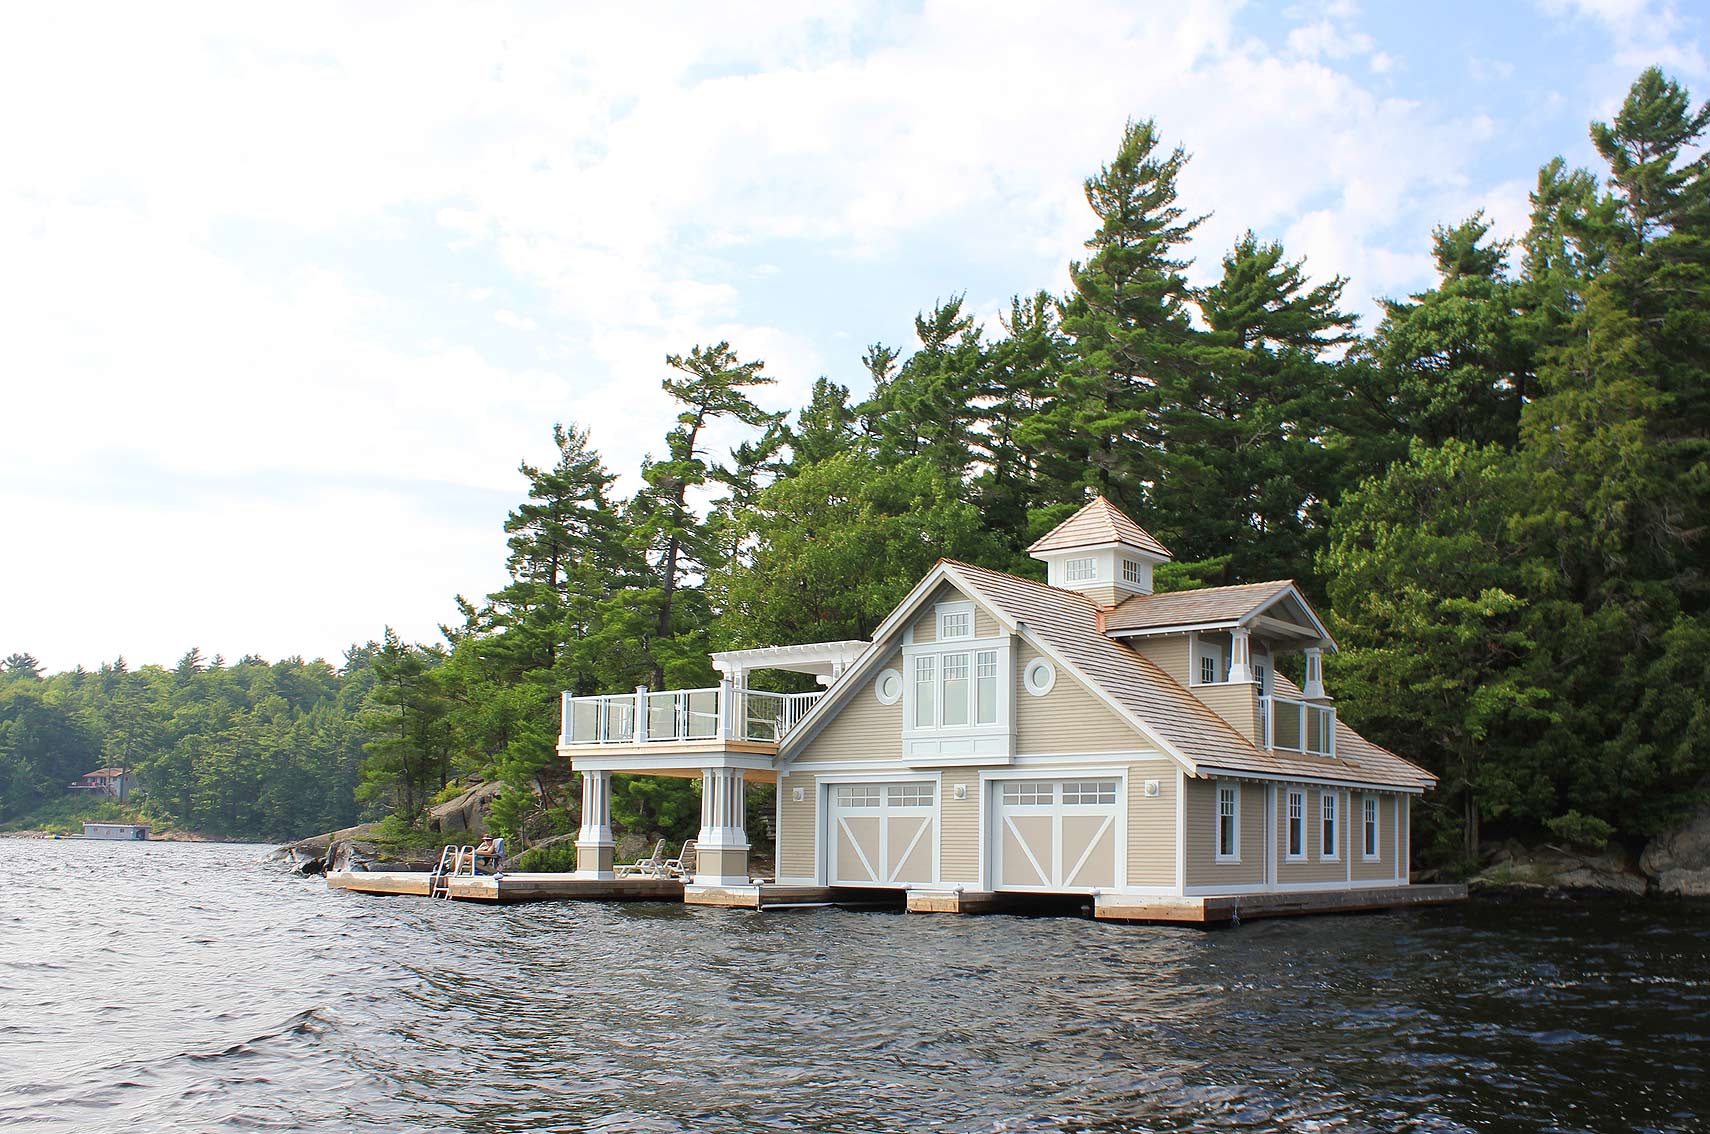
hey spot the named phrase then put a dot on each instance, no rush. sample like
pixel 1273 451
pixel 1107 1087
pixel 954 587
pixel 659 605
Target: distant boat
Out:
pixel 124 832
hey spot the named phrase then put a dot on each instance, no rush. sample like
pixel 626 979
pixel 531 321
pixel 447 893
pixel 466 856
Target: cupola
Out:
pixel 1101 553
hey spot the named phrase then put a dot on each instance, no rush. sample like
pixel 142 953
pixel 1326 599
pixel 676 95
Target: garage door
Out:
pixel 1057 834
pixel 883 834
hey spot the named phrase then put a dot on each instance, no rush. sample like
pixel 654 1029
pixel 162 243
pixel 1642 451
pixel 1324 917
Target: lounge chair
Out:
pixel 653 866
pixel 683 866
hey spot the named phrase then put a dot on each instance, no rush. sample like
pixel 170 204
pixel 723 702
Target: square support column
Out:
pixel 594 843
pixel 721 848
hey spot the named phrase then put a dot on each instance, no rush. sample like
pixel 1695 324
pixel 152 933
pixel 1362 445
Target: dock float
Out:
pixel 1216 909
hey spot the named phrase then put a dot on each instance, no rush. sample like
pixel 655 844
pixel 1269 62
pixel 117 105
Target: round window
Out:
pixel 1040 676
pixel 888 687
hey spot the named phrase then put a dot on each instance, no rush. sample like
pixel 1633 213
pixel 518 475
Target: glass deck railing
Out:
pixel 754 715
pixel 1298 726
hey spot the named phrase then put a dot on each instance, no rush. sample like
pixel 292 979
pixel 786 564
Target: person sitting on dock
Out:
pixel 491 851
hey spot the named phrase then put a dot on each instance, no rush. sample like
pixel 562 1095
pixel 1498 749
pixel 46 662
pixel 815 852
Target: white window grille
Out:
pixel 1088 793
pixel 910 795
pixel 1080 570
pixel 1028 793
pixel 1130 571
pixel 1228 821
pixel 858 795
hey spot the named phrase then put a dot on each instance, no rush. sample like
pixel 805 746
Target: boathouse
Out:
pixel 1000 736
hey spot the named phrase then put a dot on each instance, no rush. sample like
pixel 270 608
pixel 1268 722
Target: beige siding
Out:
pixel 1315 868
pixel 1384 865
pixel 1067 719
pixel 1203 869
pixel 959 828
pixel 1105 594
pixel 798 826
pixel 1404 831
pixel 1172 654
pixel 863 728
pixel 925 625
pixel 1238 704
pixel 1152 826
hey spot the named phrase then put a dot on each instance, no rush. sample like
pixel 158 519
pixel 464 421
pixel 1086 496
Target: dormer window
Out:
pixel 1081 570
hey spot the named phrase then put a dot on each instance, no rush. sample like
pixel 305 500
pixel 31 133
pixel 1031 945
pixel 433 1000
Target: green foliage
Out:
pixel 1503 491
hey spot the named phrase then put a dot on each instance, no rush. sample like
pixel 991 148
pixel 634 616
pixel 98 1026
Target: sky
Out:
pixel 287 292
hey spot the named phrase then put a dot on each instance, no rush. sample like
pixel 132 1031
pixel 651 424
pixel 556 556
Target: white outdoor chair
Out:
pixel 683 866
pixel 650 867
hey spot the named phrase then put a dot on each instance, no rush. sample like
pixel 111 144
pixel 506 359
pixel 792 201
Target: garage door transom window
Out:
pixel 1029 794
pixel 910 795
pixel 858 795
pixel 1087 793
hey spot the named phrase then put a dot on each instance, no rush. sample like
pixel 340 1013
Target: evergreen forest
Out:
pixel 1498 495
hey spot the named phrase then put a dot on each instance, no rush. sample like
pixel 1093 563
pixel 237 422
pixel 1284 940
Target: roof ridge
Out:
pixel 1024 579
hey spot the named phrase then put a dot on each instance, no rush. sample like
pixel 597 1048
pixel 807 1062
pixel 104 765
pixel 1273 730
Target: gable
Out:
pixel 862 727
pixel 1070 718
pixel 924 626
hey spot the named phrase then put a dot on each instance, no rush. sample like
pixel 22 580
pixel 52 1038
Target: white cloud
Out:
pixel 207 268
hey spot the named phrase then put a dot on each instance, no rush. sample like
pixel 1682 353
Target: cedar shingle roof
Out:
pixel 1193 608
pixel 1067 622
pixel 1099 522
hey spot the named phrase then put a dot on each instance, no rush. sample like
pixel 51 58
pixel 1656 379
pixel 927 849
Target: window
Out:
pixel 1371 836
pixel 909 795
pixel 925 691
pixel 858 795
pixel 1087 793
pixel 955 622
pixel 1080 570
pixel 1330 842
pixel 1228 822
pixel 1130 571
pixel 1040 677
pixel 955 690
pixel 888 688
pixel 985 687
pixel 1297 824
pixel 1259 676
pixel 1027 793
pixel 1207 670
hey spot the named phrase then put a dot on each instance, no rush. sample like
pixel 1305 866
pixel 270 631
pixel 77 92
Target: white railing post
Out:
pixel 564 719
pixel 640 729
pixel 727 718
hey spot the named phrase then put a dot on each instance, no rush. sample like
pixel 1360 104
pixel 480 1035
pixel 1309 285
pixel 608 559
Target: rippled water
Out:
pixel 182 987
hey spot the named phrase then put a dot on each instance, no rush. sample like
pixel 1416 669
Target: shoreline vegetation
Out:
pixel 1500 492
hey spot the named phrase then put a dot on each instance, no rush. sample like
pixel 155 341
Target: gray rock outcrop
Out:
pixel 1678 861
pixel 468 812
pixel 1561 868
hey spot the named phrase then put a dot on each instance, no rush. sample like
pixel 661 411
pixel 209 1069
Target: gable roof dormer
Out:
pixel 1100 553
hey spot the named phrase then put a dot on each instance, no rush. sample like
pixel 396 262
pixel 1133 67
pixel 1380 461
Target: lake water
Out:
pixel 155 987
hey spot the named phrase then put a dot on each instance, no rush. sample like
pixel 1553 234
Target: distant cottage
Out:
pixel 1081 736
pixel 114 782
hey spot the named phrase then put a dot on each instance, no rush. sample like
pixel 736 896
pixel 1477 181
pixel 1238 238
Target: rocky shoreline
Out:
pixel 1675 864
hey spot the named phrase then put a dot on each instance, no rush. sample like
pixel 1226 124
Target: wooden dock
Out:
pixel 512 887
pixel 1217 909
pixel 1207 910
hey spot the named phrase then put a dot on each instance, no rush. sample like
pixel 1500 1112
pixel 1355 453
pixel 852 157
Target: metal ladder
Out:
pixel 452 862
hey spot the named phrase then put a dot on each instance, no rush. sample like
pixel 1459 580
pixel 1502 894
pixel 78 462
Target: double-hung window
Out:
pixel 1370 842
pixel 1297 824
pixel 1329 839
pixel 1228 822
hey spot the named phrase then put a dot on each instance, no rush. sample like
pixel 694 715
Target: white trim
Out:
pixel 1181 829
pixel 826 785
pixel 1371 815
pixel 1214 891
pixel 1289 796
pixel 1210 771
pixel 879 684
pixel 1050 672
pixel 953 607
pixel 1218 854
pixel 1335 854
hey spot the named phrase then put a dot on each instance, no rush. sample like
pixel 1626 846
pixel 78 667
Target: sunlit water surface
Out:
pixel 183 987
